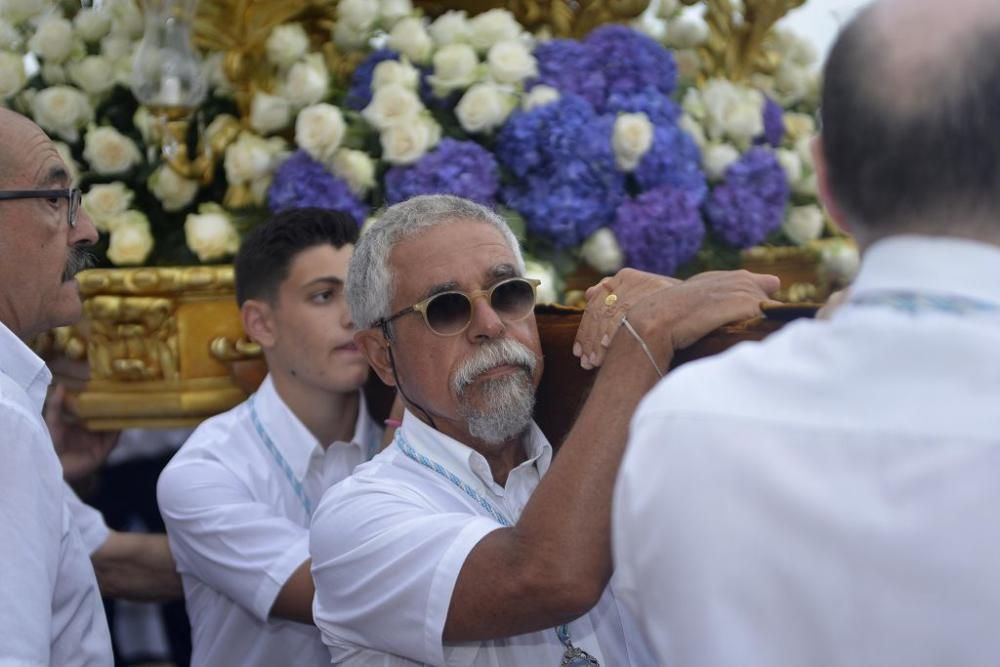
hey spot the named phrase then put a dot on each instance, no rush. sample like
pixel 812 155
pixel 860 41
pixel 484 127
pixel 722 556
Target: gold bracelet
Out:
pixel 642 344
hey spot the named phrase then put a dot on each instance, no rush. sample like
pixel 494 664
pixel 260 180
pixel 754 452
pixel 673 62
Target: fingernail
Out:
pixel 577 350
pixel 605 341
pixel 593 359
pixel 585 364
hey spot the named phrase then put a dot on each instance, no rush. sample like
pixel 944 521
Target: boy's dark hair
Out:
pixel 267 251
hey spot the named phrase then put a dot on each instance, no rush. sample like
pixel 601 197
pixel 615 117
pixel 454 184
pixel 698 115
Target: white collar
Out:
pixel 24 367
pixel 464 460
pixel 945 266
pixel 297 444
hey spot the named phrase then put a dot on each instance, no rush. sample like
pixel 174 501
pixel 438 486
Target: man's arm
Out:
pixel 136 566
pixel 294 602
pixel 553 565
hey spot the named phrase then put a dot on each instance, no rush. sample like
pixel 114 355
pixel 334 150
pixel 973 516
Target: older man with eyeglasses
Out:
pixel 50 608
pixel 465 542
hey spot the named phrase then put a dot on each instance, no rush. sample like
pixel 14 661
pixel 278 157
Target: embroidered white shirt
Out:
pixel 387 547
pixel 238 530
pixel 50 607
pixel 828 496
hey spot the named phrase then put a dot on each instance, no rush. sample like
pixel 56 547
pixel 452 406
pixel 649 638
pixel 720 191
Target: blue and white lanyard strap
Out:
pixel 269 445
pixel 572 656
pixel 919 302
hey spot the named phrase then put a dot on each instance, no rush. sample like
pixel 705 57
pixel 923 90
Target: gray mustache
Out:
pixel 78 260
pixel 501 352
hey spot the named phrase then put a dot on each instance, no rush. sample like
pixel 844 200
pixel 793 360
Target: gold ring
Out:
pixel 611 299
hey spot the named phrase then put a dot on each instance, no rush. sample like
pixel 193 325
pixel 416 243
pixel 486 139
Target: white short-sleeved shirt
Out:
pixel 829 496
pixel 238 530
pixel 388 545
pixel 50 607
pixel 94 532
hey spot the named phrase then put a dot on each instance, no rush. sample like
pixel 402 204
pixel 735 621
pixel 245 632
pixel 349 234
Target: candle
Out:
pixel 170 91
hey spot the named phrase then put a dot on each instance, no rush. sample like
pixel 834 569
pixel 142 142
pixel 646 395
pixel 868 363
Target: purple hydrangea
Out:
pixel 630 62
pixel 569 67
pixel 774 124
pixel 462 168
pixel 750 203
pixel 302 182
pixel 563 211
pixel 360 92
pixel 659 230
pixel 675 160
pixel 660 109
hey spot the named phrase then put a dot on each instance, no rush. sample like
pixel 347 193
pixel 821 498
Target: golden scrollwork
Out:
pixel 157 280
pixel 131 338
pixel 560 18
pixel 228 349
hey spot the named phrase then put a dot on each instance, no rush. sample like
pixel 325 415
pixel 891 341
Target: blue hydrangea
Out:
pixel 750 202
pixel 563 211
pixel 462 168
pixel 660 109
pixel 659 230
pixel 673 159
pixel 302 182
pixel 359 94
pixel 569 66
pixel 774 124
pixel 630 62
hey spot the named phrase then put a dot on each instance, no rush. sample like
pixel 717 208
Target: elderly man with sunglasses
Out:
pixel 465 542
pixel 50 608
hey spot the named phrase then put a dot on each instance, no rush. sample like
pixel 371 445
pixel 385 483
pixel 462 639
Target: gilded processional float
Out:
pixel 671 138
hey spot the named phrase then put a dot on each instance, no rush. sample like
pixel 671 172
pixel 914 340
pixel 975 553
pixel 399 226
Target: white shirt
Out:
pixel 828 496
pixel 387 547
pixel 50 607
pixel 94 532
pixel 238 530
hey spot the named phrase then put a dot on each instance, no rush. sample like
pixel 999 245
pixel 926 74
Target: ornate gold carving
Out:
pixel 561 18
pixel 157 280
pixel 227 349
pixel 131 338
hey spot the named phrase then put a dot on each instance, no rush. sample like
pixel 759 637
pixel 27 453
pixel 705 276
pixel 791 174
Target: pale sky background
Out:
pixel 819 20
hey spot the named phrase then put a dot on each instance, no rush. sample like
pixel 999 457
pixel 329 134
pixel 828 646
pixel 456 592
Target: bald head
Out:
pixel 910 133
pixel 18 135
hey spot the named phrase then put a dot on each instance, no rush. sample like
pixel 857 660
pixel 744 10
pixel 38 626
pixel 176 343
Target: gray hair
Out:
pixel 371 282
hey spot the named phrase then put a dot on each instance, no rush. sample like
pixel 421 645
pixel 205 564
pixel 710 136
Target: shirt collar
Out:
pixel 24 367
pixel 466 462
pixel 297 444
pixel 945 266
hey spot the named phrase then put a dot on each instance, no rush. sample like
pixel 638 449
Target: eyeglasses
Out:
pixel 73 195
pixel 450 313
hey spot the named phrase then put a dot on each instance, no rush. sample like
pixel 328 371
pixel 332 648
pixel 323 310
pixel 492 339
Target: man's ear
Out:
pixel 375 347
pixel 823 185
pixel 258 322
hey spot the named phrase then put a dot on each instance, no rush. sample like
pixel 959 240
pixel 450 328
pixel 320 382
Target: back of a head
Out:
pixel 370 277
pixel 266 253
pixel 910 131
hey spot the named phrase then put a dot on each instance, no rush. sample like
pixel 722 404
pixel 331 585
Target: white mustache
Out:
pixel 501 352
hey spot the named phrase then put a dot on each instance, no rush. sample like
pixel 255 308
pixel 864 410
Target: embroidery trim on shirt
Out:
pixel 300 490
pixel 916 302
pixel 572 656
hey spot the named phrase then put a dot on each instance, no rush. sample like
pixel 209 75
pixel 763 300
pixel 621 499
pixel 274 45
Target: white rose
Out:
pixel 62 110
pixel 686 33
pixel 632 137
pixel 53 74
pixel 488 28
pixel 18 11
pixel 10 38
pixel 539 96
pixel 794 48
pixel 668 8
pixel 307 81
pixel 210 233
pixel 694 129
pixel 798 126
pixel 93 74
pixel 803 148
pixel 407 142
pixel 106 201
pixel 806 186
pixel 67 157
pixel 319 129
pixel 395 71
pixel 116 47
pixel 349 38
pixel 792 82
pixel 108 151
pixel 356 168
pixel 53 40
pixel 286 44
pixel 790 162
pixel 732 111
pixel 126 18
pixel 839 262
pixel 12 75
pixel 249 158
pixel 409 37
pixel 456 67
pixel 450 27
pixel 173 190
pixel 717 158
pixel 484 107
pixel 391 105
pixel 269 113
pixel 545 273
pixel 602 251
pixel 693 104
pixel 148 125
pixel 130 242
pixel 92 24
pixel 392 11
pixel 803 224
pixel 358 15
pixel 510 62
